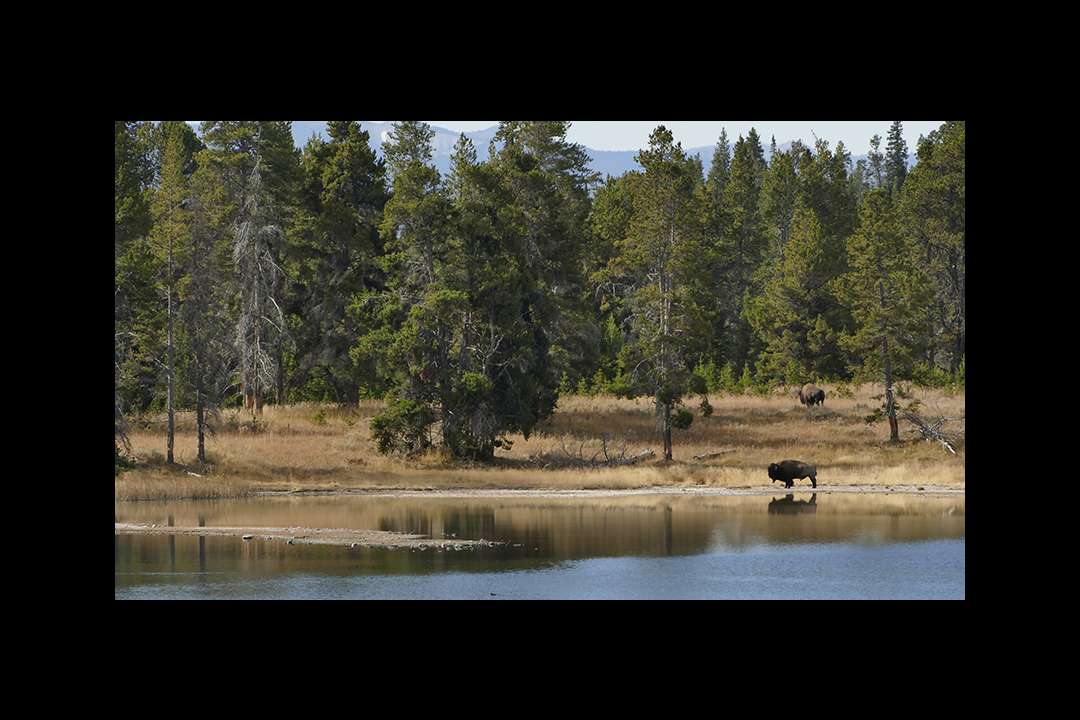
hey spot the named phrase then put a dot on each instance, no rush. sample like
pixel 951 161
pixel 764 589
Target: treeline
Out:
pixel 248 271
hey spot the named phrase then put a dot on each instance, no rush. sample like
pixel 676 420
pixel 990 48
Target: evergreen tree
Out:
pixel 876 163
pixel 204 296
pixel 720 169
pixel 742 245
pixel 796 315
pixel 887 296
pixel 933 206
pixel 660 263
pixel 333 251
pixel 133 274
pixel 169 239
pixel 896 155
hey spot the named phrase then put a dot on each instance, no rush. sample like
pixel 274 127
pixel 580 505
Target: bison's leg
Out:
pixel 788 483
pixel 813 479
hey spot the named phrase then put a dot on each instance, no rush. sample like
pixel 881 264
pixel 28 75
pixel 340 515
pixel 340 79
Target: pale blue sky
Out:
pixel 634 134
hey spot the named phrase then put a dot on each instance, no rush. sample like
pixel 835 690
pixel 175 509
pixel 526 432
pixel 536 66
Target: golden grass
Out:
pixel 323 447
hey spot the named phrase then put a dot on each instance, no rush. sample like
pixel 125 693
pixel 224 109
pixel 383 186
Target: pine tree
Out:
pixel 896 155
pixel 933 207
pixel 796 315
pixel 333 254
pixel 876 163
pixel 720 169
pixel 887 295
pixel 660 262
pixel 204 300
pixel 742 244
pixel 169 238
pixel 133 275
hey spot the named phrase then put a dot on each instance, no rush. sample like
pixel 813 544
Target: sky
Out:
pixel 634 134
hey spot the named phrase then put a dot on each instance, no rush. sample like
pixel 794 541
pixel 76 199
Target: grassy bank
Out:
pixel 324 447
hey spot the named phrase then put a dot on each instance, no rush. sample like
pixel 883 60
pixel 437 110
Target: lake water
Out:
pixel 797 546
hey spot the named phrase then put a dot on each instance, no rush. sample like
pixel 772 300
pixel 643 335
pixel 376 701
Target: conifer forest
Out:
pixel 251 272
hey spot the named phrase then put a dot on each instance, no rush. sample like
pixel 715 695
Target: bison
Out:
pixel 787 471
pixel 811 395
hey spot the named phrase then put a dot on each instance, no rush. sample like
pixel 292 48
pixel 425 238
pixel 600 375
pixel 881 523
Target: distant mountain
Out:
pixel 605 162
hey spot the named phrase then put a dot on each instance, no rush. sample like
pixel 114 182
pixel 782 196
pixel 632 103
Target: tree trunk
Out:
pixel 890 406
pixel 172 422
pixel 200 424
pixel 280 397
pixel 667 432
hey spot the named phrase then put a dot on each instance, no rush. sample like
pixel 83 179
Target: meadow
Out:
pixel 322 447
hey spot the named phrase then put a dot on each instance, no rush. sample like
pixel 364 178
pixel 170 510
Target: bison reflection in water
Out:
pixel 790 506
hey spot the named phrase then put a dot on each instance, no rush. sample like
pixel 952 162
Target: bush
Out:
pixel 706 407
pixel 727 381
pixel 319 418
pixel 682 418
pixel 599 382
pixel 746 382
pixel 122 462
pixel 402 428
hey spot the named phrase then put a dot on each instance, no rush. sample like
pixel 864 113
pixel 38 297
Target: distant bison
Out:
pixel 787 471
pixel 811 395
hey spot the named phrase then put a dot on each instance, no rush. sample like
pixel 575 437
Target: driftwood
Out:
pixel 578 459
pixel 709 456
pixel 931 430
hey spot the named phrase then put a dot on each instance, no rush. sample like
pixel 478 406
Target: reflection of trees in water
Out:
pixel 561 529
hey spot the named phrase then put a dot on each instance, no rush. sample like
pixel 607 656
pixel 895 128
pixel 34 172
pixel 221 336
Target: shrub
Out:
pixel 599 382
pixel 402 428
pixel 682 418
pixel 746 382
pixel 319 418
pixel 726 380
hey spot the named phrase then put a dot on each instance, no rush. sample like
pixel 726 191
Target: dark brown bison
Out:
pixel 787 471
pixel 811 395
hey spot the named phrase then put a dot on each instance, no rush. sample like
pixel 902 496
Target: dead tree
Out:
pixel 931 429
pixel 259 279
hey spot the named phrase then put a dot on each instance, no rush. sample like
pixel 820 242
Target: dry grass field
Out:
pixel 326 447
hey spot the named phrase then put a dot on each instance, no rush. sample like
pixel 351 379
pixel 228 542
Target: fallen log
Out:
pixel 930 430
pixel 709 456
pixel 568 459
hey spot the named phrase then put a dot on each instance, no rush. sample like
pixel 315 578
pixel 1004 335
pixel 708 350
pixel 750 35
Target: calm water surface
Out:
pixel 630 547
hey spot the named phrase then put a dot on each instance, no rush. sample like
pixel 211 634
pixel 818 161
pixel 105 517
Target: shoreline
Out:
pixel 541 493
pixel 928 490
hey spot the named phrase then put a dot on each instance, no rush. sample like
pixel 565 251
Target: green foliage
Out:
pixel 682 418
pixel 472 300
pixel 319 418
pixel 844 391
pixel 726 379
pixel 746 381
pixel 402 428
pixel 564 384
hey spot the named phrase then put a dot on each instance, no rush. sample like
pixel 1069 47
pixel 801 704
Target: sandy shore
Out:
pixel 310 536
